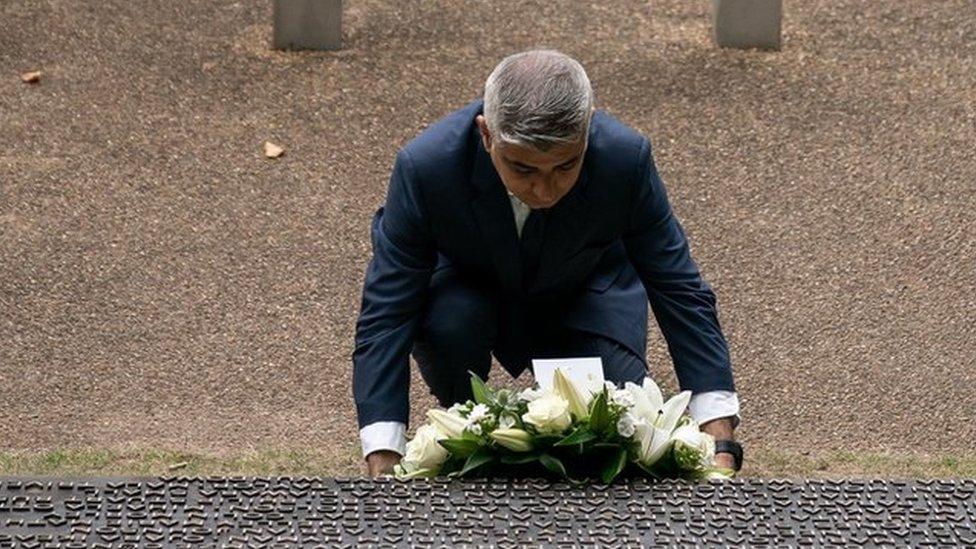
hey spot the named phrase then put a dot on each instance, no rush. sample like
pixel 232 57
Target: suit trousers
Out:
pixel 464 324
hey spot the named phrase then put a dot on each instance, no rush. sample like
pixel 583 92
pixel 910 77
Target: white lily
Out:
pixel 654 443
pixel 672 410
pixel 578 400
pixel 449 424
pixel 647 399
pixel 653 391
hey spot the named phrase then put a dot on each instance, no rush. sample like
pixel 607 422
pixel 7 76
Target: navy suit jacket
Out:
pixel 611 245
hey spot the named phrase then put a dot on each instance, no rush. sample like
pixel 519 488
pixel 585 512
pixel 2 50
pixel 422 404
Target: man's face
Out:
pixel 539 179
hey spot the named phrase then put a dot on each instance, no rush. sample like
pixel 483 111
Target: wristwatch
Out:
pixel 731 447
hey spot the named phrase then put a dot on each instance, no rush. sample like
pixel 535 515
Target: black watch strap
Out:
pixel 731 447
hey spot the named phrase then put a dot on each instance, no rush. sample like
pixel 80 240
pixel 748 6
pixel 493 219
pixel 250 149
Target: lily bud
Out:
pixel 568 390
pixel 452 426
pixel 516 440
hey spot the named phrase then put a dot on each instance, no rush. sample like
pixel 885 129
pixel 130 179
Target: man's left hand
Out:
pixel 721 429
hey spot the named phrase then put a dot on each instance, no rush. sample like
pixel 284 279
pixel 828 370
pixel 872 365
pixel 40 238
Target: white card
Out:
pixel 583 372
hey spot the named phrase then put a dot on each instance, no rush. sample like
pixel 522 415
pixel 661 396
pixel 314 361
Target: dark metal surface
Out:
pixel 316 512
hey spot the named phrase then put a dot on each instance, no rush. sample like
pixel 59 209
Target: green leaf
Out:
pixel 553 464
pixel 606 446
pixel 460 447
pixel 579 436
pixel 476 460
pixel 613 467
pixel 519 459
pixel 481 392
pixel 544 440
pixel 650 472
pixel 452 465
pixel 420 473
pixel 599 413
pixel 468 435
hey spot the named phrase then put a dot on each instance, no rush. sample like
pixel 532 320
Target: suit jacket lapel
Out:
pixel 493 211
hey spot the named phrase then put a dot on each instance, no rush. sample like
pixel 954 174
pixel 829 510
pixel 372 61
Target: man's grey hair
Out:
pixel 538 98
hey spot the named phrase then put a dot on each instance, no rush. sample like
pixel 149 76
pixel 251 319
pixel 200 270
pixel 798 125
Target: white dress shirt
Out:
pixel 704 407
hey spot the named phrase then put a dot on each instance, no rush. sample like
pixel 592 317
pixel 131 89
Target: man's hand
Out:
pixel 381 462
pixel 721 429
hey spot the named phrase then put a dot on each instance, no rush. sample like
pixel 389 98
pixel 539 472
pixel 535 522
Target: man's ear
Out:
pixel 485 134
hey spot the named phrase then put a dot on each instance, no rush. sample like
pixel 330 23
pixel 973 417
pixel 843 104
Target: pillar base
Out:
pixel 747 23
pixel 307 25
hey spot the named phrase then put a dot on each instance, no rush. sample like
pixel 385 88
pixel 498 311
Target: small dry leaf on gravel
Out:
pixel 272 151
pixel 179 465
pixel 31 77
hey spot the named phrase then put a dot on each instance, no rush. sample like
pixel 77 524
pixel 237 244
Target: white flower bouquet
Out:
pixel 566 431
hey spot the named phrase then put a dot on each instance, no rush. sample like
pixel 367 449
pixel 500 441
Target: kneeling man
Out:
pixel 527 225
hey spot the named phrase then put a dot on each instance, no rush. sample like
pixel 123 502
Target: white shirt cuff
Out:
pixel 384 435
pixel 710 405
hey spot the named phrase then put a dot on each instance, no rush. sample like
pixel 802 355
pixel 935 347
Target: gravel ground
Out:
pixel 163 285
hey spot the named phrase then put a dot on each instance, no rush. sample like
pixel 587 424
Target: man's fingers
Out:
pixel 381 462
pixel 725 459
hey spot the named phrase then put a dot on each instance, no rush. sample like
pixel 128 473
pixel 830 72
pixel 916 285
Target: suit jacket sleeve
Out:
pixel 394 290
pixel 683 304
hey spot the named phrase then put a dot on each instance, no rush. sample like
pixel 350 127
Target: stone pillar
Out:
pixel 307 24
pixel 747 23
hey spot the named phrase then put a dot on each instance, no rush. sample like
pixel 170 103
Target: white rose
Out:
pixel 692 447
pixel 549 413
pixel 423 451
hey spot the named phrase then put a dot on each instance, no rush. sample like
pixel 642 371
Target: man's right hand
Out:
pixel 381 462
